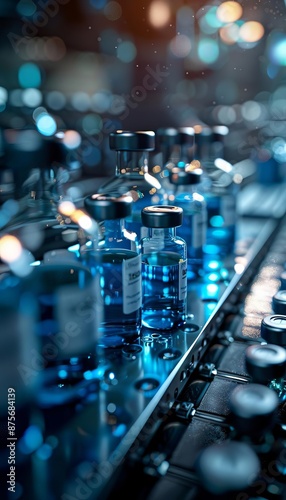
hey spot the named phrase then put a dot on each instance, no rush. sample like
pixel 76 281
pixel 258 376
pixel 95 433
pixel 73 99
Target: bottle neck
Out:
pixel 161 233
pixel 132 162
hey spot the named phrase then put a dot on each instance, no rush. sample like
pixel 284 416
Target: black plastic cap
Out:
pixel 279 302
pixel 181 177
pixel 265 362
pixel 103 207
pixel 162 216
pixel 125 140
pixel 253 409
pixel 227 467
pixel 273 329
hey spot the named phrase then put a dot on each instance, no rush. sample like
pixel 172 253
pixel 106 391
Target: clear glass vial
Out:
pixel 164 269
pixel 194 226
pixel 132 174
pixel 116 264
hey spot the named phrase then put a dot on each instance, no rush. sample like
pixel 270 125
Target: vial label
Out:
pixel 144 232
pixel 183 280
pixel 228 209
pixel 78 314
pixel 132 286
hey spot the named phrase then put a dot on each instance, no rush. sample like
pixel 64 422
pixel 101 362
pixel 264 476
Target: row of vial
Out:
pixel 151 233
pixel 156 233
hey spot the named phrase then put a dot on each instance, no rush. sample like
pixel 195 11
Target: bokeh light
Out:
pixel 251 31
pixel 29 75
pixel 228 12
pixel 159 13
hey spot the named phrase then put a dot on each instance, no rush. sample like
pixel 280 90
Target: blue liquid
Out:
pixel 193 231
pixel 162 307
pixel 220 234
pixel 116 328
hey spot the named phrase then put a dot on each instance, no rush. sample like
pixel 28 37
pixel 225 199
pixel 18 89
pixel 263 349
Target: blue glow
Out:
pixel 217 221
pixel 74 248
pixel 126 51
pixel 32 439
pixel 120 430
pixel 213 277
pixel 97 4
pixel 44 452
pixel 214 264
pixel 36 263
pixel 46 125
pixel 29 75
pixel 26 8
pixel 212 289
pixel 277 49
pixel 62 373
pixel 208 50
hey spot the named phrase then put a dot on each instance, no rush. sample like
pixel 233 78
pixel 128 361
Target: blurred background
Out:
pixel 80 69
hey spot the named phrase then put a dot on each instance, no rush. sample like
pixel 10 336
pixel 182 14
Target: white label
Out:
pixel 79 314
pixel 183 280
pixel 132 286
pixel 228 209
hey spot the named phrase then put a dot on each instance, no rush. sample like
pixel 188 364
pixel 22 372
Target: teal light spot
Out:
pixel 126 52
pixel 46 125
pixel 216 221
pixel 208 50
pixel 29 75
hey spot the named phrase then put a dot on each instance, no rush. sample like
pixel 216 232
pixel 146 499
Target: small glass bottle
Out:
pixel 266 364
pixel 132 174
pixel 219 190
pixel 193 229
pixel 164 269
pixel 177 147
pixel 117 264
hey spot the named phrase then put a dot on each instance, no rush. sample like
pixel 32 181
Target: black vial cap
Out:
pixel 265 362
pixel 273 329
pixel 125 140
pixel 181 177
pixel 279 302
pixel 103 207
pixel 253 409
pixel 219 132
pixel 227 467
pixel 162 216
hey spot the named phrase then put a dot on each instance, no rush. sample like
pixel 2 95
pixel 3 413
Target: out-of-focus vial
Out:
pixel 266 364
pixel 177 146
pixel 164 269
pixel 116 264
pixel 194 226
pixel 219 190
pixel 132 174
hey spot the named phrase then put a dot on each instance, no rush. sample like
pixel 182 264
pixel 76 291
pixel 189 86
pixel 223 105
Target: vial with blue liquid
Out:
pixel 164 269
pixel 186 195
pixel 219 190
pixel 116 264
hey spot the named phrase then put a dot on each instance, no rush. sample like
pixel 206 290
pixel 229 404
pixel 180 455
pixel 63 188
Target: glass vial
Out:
pixel 219 190
pixel 177 147
pixel 164 269
pixel 132 174
pixel 117 264
pixel 193 229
